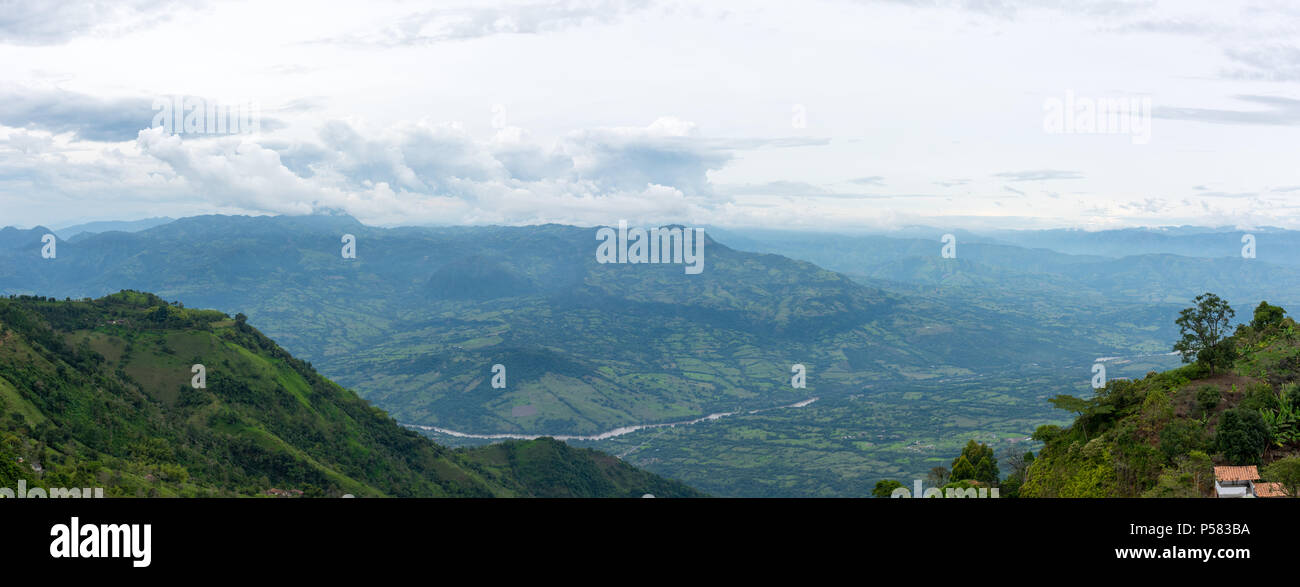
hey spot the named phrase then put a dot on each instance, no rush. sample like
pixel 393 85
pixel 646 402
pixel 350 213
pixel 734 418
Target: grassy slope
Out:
pixel 98 394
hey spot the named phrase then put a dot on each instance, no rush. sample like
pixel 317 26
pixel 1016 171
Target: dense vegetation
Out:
pixel 98 393
pixel 1236 403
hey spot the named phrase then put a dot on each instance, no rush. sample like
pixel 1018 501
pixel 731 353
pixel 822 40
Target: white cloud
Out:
pixel 46 23
pixel 667 110
pixel 437 173
pixel 459 23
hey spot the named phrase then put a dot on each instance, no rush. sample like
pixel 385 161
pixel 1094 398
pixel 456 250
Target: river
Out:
pixel 608 434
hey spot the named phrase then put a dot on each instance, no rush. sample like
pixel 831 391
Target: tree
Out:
pixel 1191 478
pixel 1207 398
pixel 1203 328
pixel 1287 472
pixel 1073 405
pixel 938 476
pixel 1047 433
pixel 1156 407
pixel 1291 394
pixel 1267 315
pixel 1069 403
pixel 986 470
pixel 1173 483
pixel 10 470
pixel 975 462
pixel 1242 435
pixel 962 469
pixel 1179 437
pixel 885 488
pixel 1201 466
pixel 1019 464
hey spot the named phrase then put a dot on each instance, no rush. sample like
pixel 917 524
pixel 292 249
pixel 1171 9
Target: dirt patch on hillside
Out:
pixel 1185 399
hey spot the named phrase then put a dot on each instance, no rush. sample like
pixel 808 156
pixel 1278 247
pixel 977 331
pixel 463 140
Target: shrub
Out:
pixel 1207 398
pixel 1242 435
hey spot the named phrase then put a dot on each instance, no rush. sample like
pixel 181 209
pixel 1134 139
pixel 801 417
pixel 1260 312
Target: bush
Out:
pixel 1260 396
pixel 1207 398
pixel 1242 435
pixel 1291 394
pixel 1047 433
pixel 1180 437
pixel 1287 472
pixel 885 488
pixel 1266 316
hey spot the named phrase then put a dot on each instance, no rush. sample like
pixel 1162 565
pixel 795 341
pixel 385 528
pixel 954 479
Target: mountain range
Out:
pixel 417 320
pixel 420 318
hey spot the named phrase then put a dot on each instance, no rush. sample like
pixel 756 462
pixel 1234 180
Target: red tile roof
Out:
pixel 1269 489
pixel 1248 473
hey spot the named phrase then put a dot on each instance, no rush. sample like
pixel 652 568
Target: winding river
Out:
pixel 608 434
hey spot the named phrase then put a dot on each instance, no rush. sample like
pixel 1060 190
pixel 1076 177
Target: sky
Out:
pixel 810 115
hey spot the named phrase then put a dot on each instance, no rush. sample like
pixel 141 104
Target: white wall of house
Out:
pixel 1234 488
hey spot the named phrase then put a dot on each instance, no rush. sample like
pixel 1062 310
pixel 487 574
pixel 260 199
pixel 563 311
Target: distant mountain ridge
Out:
pixel 71 232
pixel 1128 265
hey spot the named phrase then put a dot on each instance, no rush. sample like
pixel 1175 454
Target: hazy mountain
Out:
pixel 1272 245
pixel 1074 267
pixel 76 230
pixel 419 318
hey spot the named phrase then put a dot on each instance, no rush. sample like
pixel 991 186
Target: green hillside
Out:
pixel 1160 436
pixel 99 394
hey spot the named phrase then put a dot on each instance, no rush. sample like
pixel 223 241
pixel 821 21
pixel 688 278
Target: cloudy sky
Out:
pixel 833 114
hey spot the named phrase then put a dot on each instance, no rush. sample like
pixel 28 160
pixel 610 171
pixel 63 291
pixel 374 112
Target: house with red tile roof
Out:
pixel 1235 481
